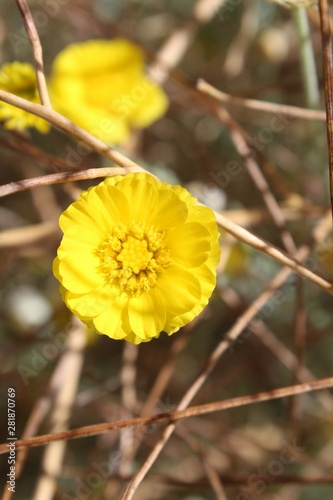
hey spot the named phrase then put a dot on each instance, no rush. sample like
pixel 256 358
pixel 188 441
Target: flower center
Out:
pixel 132 257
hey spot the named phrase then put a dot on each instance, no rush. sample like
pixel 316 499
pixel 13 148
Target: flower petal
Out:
pixel 91 304
pixel 147 314
pixel 79 272
pixel 110 321
pixel 80 213
pixel 151 103
pixel 169 212
pixel 189 244
pixel 180 290
pixel 83 241
pixel 142 197
pixel 94 56
pixel 114 202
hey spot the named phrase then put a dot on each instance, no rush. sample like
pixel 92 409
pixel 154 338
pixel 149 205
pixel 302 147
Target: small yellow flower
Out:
pixel 101 86
pixel 20 79
pixel 137 257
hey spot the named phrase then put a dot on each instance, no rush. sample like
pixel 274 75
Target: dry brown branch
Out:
pixel 28 234
pixel 129 404
pixel 243 235
pixel 326 41
pixel 177 44
pixel 21 146
pixel 173 416
pixel 239 481
pixel 240 140
pixel 300 324
pixel 211 472
pixel 36 417
pixel 37 51
pixel 62 123
pixel 279 350
pixel 72 362
pixel 235 57
pixel 162 380
pixel 267 107
pixel 288 359
pixel 47 180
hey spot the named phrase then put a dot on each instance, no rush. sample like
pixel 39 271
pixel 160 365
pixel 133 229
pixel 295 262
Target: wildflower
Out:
pixel 20 79
pixel 101 86
pixel 137 257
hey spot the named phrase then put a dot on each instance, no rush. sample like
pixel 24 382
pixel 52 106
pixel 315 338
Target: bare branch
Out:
pixel 37 51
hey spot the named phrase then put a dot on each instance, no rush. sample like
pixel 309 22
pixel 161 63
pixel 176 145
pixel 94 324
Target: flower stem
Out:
pixel 308 64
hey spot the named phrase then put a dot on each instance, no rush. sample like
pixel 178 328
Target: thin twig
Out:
pixel 36 417
pixel 267 107
pixel 177 44
pixel 279 350
pixel 211 472
pixel 162 380
pixel 72 363
pixel 241 143
pixel 47 180
pixel 37 51
pixel 239 481
pixel 247 237
pixel 288 359
pixel 326 41
pixel 300 323
pixel 23 147
pixel 173 416
pixel 129 405
pixel 62 123
pixel 27 235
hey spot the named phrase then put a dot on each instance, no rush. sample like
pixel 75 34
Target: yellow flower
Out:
pixel 137 257
pixel 20 79
pixel 101 86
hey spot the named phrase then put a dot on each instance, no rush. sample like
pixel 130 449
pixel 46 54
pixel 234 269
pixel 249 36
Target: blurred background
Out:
pixel 250 50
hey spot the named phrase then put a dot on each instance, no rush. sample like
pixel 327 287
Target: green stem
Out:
pixel 309 71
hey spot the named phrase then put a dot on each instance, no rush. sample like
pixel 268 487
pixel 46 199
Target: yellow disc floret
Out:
pixel 132 257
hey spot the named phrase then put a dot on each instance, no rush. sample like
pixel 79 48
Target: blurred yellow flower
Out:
pixel 20 79
pixel 101 86
pixel 137 257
